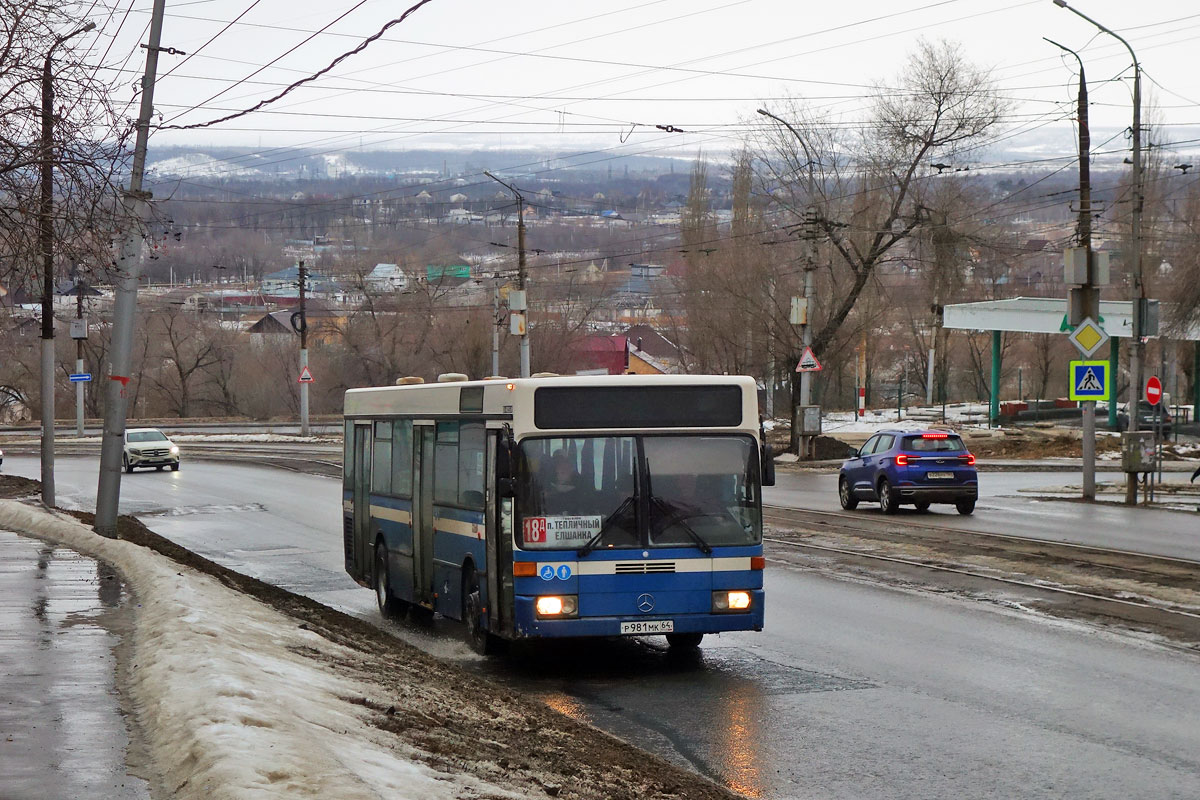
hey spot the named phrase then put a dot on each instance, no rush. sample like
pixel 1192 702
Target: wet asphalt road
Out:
pixel 853 690
pixel 1003 508
pixel 61 731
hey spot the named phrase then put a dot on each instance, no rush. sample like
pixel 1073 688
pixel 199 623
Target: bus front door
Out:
pixel 423 439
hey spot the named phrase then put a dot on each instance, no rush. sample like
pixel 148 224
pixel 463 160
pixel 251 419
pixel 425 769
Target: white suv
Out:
pixel 149 447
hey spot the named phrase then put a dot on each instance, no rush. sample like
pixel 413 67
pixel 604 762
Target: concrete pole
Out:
pixel 521 281
pixel 495 328
pixel 1089 449
pixel 1139 290
pixel 303 275
pixel 994 409
pixel 112 447
pixel 929 379
pixel 78 359
pixel 1114 360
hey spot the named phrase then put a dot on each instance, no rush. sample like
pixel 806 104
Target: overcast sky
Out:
pixel 574 75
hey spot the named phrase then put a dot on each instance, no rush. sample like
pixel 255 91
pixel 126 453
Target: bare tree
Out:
pixel 862 194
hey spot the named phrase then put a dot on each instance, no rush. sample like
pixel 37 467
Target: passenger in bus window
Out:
pixel 563 491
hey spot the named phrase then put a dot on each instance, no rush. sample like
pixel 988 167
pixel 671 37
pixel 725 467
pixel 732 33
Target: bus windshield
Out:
pixel 610 492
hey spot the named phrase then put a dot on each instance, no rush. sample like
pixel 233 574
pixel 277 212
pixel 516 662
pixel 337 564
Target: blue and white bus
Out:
pixel 560 506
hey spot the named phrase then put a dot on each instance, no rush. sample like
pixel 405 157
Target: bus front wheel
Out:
pixel 389 605
pixel 684 641
pixel 481 641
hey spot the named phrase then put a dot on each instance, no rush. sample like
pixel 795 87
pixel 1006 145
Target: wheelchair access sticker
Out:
pixel 549 572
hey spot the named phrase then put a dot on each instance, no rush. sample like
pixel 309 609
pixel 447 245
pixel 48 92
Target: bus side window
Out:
pixel 470 465
pixel 445 464
pixel 402 459
pixel 381 459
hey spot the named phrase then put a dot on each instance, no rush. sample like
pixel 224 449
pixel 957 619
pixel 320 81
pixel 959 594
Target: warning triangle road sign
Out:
pixel 305 376
pixel 1089 382
pixel 808 362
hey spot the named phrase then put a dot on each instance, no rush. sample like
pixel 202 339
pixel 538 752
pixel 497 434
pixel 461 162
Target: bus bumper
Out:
pixel 528 626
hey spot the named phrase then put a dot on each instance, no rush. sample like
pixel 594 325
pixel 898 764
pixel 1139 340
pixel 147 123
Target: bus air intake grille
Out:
pixel 643 567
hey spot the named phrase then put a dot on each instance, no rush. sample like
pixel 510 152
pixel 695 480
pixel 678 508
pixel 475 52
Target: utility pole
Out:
pixel 1139 290
pixel 811 219
pixel 79 357
pixel 517 301
pixel 112 447
pixel 495 327
pixel 46 245
pixel 303 275
pixel 1085 301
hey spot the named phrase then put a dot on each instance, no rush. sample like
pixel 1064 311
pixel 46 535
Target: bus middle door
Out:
pixel 423 440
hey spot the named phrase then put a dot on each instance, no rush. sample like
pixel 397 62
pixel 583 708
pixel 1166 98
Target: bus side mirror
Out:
pixel 768 465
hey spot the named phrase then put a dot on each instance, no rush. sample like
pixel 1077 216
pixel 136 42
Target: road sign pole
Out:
pixel 1089 450
pixel 78 398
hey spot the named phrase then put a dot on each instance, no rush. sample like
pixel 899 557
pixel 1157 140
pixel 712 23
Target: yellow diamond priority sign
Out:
pixel 1088 337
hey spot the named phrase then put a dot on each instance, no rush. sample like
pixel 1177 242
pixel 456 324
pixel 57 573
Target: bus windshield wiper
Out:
pixel 671 513
pixel 674 518
pixel 592 543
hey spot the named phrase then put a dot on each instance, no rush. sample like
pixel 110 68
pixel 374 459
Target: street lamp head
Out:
pixel 1061 3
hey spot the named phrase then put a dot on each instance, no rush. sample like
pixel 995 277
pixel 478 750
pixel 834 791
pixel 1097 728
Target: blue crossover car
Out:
pixel 895 468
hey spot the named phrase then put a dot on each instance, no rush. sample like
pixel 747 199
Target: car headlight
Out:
pixel 557 606
pixel 726 602
pixel 174 450
pixel 133 451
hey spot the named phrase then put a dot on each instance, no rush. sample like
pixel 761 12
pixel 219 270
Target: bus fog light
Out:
pixel 557 605
pixel 731 601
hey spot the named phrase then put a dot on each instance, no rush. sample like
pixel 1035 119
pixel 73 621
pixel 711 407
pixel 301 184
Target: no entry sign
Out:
pixel 1153 390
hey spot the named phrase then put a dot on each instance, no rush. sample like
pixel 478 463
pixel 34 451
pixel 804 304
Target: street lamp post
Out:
pixel 46 245
pixel 1139 289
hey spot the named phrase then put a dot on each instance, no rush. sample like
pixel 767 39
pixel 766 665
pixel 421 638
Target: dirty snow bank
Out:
pixel 230 704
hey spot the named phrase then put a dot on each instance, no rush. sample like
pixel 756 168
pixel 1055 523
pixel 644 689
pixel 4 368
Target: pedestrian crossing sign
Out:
pixel 1089 380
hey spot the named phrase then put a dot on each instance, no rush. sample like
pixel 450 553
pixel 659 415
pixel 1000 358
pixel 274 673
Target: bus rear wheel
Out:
pixel 481 641
pixel 684 641
pixel 390 606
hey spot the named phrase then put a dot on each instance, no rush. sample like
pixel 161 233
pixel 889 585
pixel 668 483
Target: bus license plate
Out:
pixel 647 626
pixel 939 475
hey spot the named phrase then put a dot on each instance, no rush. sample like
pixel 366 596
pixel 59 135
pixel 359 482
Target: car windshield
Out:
pixel 939 444
pixel 146 436
pixel 610 492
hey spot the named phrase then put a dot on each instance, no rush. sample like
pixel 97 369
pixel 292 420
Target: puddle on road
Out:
pixel 64 733
pixel 709 710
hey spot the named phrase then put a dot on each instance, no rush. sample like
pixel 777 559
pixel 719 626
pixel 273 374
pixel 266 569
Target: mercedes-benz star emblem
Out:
pixel 645 603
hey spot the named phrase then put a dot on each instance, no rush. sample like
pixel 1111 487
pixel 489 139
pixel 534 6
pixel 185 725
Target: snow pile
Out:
pixel 235 700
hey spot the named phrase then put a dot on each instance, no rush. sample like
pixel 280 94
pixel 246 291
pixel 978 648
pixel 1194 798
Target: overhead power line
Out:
pixel 293 86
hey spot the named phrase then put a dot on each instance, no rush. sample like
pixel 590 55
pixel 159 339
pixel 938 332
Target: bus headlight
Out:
pixel 557 606
pixel 723 602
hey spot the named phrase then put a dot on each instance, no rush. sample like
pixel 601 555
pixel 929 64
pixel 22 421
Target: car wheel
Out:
pixel 845 496
pixel 480 640
pixel 965 507
pixel 684 641
pixel 389 605
pixel 175 467
pixel 888 502
pixel 158 468
pixel 128 466
pixel 922 506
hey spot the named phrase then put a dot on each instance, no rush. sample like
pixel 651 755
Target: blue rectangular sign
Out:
pixel 80 377
pixel 1089 380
